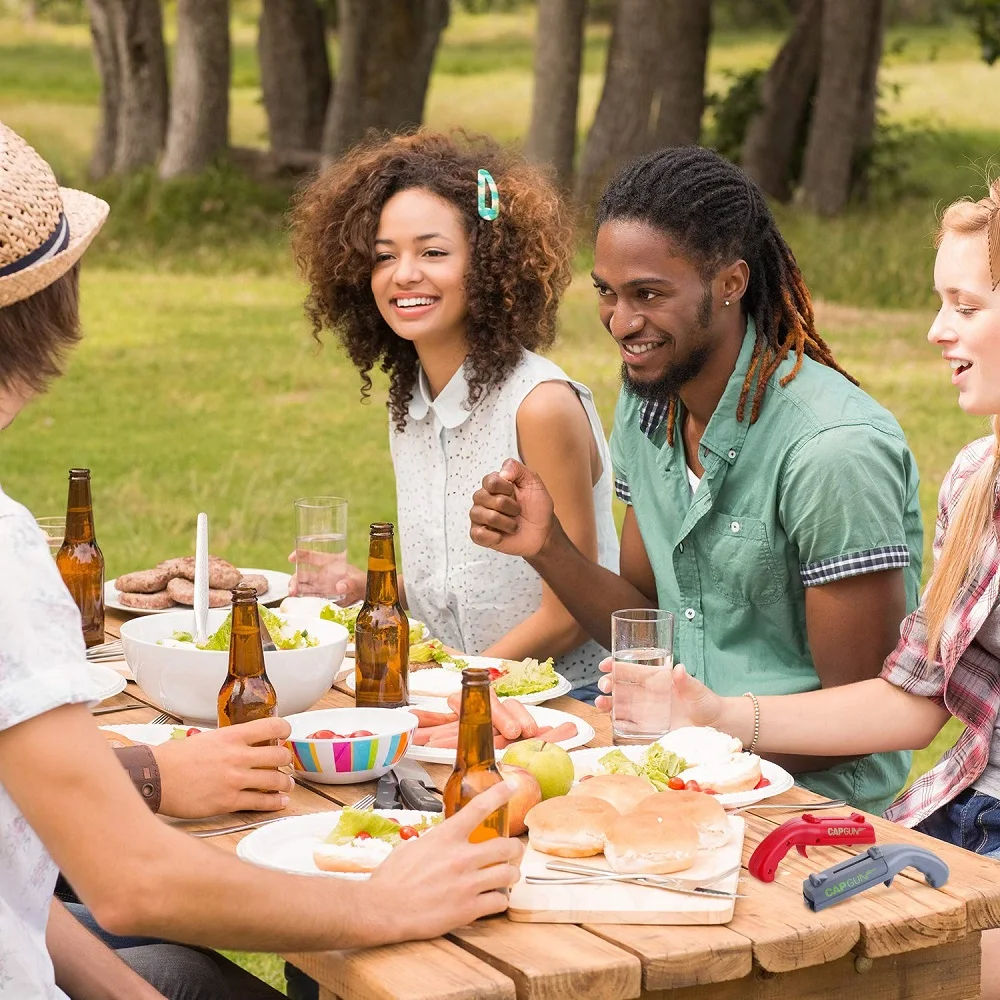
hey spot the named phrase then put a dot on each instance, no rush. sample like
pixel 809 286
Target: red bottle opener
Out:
pixel 807 831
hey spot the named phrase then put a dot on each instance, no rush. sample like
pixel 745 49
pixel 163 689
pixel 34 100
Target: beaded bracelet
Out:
pixel 756 720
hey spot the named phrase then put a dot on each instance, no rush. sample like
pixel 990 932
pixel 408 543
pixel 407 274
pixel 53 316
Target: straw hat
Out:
pixel 44 228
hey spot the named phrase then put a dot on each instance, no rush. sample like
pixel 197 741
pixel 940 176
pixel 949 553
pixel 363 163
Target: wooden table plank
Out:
pixel 417 970
pixel 947 972
pixel 559 962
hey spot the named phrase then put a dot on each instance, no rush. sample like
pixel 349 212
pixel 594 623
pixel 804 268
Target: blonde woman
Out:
pixel 947 662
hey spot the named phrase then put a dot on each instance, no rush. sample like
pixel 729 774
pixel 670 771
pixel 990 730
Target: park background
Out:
pixel 198 385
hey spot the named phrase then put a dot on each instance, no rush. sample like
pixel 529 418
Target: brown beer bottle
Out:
pixel 247 694
pixel 79 560
pixel 382 631
pixel 475 762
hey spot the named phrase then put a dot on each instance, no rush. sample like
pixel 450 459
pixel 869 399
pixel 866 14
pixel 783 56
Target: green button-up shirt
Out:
pixel 822 487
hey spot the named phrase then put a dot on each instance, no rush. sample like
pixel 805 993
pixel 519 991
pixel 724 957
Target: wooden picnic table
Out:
pixel 906 940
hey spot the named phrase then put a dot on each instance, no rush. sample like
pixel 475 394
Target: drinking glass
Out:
pixel 320 545
pixel 54 529
pixel 642 659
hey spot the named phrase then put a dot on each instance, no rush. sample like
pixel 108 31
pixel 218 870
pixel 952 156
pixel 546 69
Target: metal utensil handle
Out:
pixel 236 829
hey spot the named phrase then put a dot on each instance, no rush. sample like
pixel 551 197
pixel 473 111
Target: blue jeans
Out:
pixel 587 693
pixel 971 820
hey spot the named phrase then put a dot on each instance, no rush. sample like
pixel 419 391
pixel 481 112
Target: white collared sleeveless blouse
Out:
pixel 469 596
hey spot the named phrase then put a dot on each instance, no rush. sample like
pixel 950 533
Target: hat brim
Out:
pixel 86 214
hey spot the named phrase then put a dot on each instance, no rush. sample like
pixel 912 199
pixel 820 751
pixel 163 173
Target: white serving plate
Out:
pixel 277 590
pixel 287 846
pixel 444 680
pixel 585 762
pixel 544 716
pixel 109 682
pixel 150 733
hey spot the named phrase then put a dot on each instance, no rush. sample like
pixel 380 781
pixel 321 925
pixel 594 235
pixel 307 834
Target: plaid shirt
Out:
pixel 966 678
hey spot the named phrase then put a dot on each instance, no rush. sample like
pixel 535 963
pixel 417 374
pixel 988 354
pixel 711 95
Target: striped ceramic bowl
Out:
pixel 342 759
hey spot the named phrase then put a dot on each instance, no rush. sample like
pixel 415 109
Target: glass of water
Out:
pixel 320 545
pixel 54 529
pixel 642 660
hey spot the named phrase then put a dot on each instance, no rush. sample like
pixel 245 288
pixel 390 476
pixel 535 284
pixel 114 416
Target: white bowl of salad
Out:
pixel 184 679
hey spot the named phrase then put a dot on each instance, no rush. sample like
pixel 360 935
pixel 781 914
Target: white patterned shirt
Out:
pixel 469 596
pixel 42 667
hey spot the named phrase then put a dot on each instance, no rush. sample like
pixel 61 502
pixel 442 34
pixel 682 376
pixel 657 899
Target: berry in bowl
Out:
pixel 343 746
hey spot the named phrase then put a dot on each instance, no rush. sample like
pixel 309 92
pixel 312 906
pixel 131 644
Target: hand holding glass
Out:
pixel 54 529
pixel 320 545
pixel 642 659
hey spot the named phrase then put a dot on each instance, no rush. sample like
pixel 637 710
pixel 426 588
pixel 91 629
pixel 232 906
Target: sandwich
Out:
pixel 623 791
pixel 363 839
pixel 570 826
pixel 651 843
pixel 704 811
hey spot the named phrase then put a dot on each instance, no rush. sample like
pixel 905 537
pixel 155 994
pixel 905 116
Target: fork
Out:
pixel 112 650
pixel 791 806
pixel 161 718
pixel 364 803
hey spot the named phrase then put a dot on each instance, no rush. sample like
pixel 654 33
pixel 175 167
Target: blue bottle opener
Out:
pixel 877 864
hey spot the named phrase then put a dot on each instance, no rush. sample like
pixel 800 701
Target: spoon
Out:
pixel 201 581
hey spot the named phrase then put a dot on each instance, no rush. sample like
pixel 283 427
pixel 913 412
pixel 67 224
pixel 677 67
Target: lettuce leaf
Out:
pixel 300 639
pixel 433 651
pixel 525 677
pixel 355 821
pixel 342 616
pixel 656 765
pixel 616 762
pixel 220 638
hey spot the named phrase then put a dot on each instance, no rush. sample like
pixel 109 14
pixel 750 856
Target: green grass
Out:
pixel 198 386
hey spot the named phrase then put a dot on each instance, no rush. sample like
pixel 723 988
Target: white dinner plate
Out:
pixel 277 590
pixel 439 682
pixel 150 733
pixel 585 762
pixel 109 682
pixel 287 846
pixel 543 716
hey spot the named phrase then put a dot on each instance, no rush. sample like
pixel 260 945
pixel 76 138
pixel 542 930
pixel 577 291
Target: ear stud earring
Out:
pixel 727 302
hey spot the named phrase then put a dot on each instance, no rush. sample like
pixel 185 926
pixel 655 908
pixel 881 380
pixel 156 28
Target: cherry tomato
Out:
pixel 407 833
pixel 192 732
pixel 676 784
pixel 323 734
pixel 710 791
pixel 763 783
pixel 358 733
pixel 692 786
pixel 364 835
pixel 495 674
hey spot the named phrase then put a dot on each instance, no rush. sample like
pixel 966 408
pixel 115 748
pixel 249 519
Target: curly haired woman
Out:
pixel 441 259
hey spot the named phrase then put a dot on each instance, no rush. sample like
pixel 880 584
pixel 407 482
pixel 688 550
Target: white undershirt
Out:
pixel 693 480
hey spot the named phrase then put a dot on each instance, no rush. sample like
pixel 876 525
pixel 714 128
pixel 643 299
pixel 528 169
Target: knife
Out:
pixel 407 768
pixel 387 792
pixel 416 787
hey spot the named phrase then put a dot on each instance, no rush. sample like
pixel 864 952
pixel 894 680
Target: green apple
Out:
pixel 551 766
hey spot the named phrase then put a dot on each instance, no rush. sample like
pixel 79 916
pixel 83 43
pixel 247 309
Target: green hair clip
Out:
pixel 492 210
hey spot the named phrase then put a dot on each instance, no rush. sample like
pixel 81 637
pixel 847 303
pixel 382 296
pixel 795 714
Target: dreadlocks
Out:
pixel 716 215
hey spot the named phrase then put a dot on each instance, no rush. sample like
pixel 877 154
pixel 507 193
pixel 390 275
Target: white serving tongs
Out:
pixel 201 581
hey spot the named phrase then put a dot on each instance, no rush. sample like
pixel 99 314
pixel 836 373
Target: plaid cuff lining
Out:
pixel 841 567
pixel 622 491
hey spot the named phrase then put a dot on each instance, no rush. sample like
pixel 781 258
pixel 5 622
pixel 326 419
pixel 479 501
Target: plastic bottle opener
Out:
pixel 877 864
pixel 807 831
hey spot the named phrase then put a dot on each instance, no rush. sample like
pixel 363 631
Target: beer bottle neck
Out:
pixel 381 586
pixel 475 729
pixel 79 512
pixel 246 651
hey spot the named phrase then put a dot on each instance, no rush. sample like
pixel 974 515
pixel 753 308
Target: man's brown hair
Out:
pixel 37 332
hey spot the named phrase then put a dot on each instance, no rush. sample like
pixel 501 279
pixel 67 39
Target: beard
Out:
pixel 677 375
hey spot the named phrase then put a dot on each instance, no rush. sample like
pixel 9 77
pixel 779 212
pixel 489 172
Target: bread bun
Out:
pixel 738 773
pixel 703 810
pixel 570 826
pixel 356 857
pixel 700 744
pixel 623 791
pixel 117 740
pixel 649 844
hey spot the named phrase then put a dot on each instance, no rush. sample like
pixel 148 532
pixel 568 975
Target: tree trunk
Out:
pixel 868 101
pixel 621 126
pixel 558 59
pixel 848 29
pixel 199 112
pixel 687 25
pixel 294 73
pixel 387 49
pixel 773 133
pixel 102 32
pixel 142 101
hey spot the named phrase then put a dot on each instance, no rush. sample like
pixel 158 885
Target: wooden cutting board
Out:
pixel 620 903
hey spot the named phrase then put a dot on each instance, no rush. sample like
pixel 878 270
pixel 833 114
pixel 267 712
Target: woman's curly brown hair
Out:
pixel 519 264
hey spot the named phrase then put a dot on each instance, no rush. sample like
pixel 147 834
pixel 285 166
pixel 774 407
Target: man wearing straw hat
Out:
pixel 64 800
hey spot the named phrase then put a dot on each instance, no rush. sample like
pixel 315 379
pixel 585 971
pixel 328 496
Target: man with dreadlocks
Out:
pixel 772 504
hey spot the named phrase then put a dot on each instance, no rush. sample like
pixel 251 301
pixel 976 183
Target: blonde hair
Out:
pixel 973 522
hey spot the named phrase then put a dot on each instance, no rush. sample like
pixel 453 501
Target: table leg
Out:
pixel 947 972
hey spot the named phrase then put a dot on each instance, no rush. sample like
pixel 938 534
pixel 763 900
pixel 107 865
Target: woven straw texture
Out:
pixel 30 205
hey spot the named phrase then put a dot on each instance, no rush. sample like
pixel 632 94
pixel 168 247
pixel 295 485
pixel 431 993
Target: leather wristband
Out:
pixel 142 769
